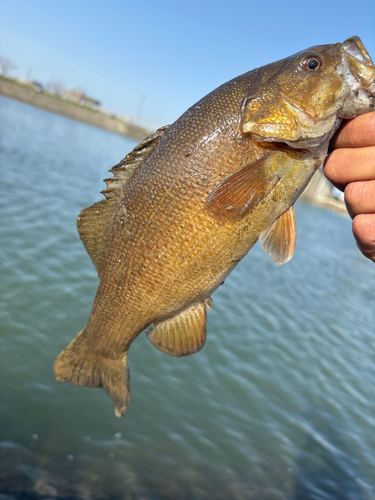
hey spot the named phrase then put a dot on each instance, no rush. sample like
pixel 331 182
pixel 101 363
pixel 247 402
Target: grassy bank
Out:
pixel 55 104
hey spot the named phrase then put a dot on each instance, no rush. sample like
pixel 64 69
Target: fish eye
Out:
pixel 311 63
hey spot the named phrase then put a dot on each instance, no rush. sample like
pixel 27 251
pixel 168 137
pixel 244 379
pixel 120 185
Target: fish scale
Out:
pixel 188 203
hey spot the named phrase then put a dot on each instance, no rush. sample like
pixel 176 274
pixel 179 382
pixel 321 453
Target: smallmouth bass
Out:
pixel 190 201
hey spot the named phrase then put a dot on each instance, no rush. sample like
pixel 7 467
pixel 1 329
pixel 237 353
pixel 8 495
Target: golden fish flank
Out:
pixel 189 202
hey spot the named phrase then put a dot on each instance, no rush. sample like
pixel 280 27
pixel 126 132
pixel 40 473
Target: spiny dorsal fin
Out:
pixel 93 220
pixel 242 191
pixel 130 164
pixel 183 334
pixel 279 240
pixel 91 224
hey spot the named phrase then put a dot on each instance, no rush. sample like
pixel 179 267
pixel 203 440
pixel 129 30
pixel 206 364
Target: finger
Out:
pixel 360 197
pixel 364 233
pixel 348 165
pixel 356 133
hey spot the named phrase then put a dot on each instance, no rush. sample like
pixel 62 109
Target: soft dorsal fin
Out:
pixel 241 192
pixel 93 220
pixel 183 334
pixel 279 240
pixel 91 224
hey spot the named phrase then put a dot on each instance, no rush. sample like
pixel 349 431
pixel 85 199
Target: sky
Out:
pixel 154 59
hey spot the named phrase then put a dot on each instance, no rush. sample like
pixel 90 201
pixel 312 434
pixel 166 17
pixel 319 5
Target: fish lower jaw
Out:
pixel 309 143
pixel 310 135
pixel 315 143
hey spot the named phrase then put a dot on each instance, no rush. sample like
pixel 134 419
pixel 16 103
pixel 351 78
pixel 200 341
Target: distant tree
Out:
pixel 55 86
pixel 6 66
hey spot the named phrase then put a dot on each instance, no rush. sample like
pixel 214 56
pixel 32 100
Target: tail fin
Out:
pixel 78 365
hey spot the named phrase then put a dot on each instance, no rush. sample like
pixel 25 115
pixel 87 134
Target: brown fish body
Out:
pixel 196 200
pixel 186 252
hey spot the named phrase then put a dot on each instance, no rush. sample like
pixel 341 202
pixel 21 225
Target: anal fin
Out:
pixel 182 334
pixel 279 240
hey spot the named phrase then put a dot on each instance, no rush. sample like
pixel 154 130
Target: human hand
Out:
pixel 350 167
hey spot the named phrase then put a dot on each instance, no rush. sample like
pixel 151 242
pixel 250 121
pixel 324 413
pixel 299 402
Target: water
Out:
pixel 278 405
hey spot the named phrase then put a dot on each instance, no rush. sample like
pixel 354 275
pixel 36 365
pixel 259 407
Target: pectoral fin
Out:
pixel 279 240
pixel 242 191
pixel 183 334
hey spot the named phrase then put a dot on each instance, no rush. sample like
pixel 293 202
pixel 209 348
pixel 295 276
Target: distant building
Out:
pixel 79 97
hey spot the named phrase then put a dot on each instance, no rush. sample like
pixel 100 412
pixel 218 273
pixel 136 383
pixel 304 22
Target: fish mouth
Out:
pixel 322 130
pixel 359 65
pixel 358 70
pixel 355 47
pixel 311 143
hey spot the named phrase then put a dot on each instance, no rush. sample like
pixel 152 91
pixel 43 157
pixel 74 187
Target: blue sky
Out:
pixel 167 53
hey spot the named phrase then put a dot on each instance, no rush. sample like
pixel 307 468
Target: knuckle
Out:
pixel 364 232
pixel 332 166
pixel 354 193
pixel 359 228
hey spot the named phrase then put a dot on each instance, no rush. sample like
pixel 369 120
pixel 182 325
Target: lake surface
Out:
pixel 279 404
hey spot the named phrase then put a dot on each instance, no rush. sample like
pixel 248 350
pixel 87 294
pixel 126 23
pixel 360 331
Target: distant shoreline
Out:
pixel 55 104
